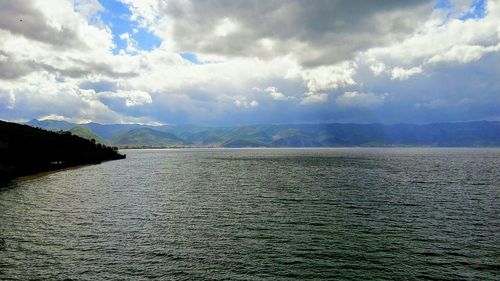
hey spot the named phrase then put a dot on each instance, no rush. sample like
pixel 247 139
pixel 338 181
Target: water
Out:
pixel 259 214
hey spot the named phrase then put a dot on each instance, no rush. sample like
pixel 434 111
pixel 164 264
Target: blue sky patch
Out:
pixel 477 11
pixel 190 57
pixel 443 4
pixel 117 16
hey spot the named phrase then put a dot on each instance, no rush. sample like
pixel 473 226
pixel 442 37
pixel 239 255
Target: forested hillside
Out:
pixel 26 150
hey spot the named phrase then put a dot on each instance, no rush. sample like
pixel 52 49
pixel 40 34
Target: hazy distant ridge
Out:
pixel 469 134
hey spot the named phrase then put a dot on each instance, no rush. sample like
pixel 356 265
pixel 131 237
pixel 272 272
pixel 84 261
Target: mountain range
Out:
pixel 460 134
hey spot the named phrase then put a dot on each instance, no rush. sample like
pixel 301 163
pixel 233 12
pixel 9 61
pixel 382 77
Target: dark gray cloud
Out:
pixel 11 68
pixel 21 17
pixel 318 32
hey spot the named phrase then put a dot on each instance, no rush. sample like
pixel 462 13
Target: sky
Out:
pixel 238 62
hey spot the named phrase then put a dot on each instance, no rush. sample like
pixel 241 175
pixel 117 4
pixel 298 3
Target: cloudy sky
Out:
pixel 235 62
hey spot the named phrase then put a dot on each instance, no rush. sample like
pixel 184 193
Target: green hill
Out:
pixel 87 133
pixel 234 143
pixel 51 125
pixel 147 137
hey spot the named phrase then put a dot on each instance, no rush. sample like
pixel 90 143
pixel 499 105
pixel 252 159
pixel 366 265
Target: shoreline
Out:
pixel 22 177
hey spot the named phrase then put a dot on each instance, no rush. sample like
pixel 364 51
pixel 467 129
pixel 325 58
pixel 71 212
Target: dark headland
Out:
pixel 26 150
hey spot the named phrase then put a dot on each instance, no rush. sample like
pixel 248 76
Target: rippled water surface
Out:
pixel 259 214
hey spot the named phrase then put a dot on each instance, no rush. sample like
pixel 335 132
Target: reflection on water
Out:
pixel 258 214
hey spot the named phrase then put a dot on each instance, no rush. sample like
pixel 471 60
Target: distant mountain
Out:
pixel 481 133
pixel 108 131
pixel 104 131
pixel 241 142
pixel 147 137
pixel 26 150
pixel 87 133
pixel 52 125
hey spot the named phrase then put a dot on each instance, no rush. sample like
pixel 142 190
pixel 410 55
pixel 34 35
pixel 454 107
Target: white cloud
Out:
pixel 88 8
pixel 222 76
pixel 144 11
pixel 274 93
pixel 463 54
pixel 225 27
pixel 268 43
pixel 446 38
pixel 399 73
pixel 124 36
pixel 314 98
pixel 53 117
pixel 377 68
pixel 132 98
pixel 330 77
pixel 243 103
pixel 131 43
